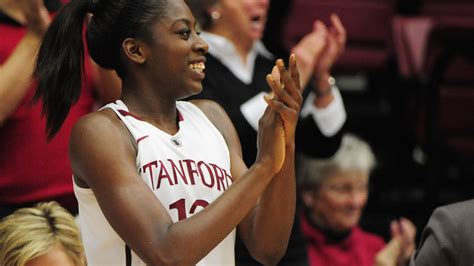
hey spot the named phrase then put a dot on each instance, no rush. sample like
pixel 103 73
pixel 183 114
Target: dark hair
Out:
pixel 201 12
pixel 60 64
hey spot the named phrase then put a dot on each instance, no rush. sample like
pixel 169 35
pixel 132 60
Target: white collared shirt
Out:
pixel 329 119
pixel 225 51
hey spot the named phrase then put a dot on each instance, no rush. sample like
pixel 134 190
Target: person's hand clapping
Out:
pixel 309 49
pixel 335 45
pixel 287 100
pixel 405 231
pixel 278 124
pixel 37 16
pixel 402 245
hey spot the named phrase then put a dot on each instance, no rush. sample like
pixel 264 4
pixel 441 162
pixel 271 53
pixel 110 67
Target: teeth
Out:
pixel 199 67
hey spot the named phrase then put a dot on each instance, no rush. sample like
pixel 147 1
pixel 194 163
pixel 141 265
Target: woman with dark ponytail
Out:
pixel 161 181
pixel 33 169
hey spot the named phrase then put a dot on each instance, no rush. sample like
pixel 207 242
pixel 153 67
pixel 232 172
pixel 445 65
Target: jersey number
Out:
pixel 180 205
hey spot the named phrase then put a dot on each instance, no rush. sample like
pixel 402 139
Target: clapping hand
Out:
pixel 37 16
pixel 278 124
pixel 400 248
pixel 287 98
pixel 319 50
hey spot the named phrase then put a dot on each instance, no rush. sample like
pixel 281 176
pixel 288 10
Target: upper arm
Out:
pixel 222 122
pixel 438 243
pixel 103 156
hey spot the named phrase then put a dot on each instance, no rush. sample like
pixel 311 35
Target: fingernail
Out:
pixel 280 63
pixel 266 97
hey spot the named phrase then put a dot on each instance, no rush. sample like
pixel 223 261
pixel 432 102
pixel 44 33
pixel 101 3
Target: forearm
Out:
pixel 16 75
pixel 216 221
pixel 274 215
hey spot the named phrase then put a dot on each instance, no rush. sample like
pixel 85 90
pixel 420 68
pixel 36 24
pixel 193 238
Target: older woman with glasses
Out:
pixel 334 193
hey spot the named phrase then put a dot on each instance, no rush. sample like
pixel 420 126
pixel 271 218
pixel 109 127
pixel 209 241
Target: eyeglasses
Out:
pixel 346 189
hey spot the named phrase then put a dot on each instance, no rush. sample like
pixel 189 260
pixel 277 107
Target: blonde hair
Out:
pixel 354 154
pixel 31 232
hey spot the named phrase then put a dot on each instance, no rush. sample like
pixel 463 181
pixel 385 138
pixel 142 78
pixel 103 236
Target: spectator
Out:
pixel 45 234
pixel 334 193
pixel 33 170
pixel 238 62
pixel 447 238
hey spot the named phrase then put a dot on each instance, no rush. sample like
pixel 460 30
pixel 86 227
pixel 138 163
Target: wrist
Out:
pixel 324 95
pixel 323 84
pixel 263 167
pixel 33 38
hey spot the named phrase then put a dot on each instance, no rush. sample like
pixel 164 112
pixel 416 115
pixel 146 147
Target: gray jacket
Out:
pixel 448 238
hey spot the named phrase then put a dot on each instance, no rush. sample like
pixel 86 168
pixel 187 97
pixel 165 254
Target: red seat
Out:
pixel 450 66
pixel 367 23
pixel 410 36
pixel 453 8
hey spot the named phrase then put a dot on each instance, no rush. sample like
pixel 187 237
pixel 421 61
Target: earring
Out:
pixel 215 15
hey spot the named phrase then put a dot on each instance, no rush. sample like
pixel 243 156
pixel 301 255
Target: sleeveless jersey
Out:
pixel 186 172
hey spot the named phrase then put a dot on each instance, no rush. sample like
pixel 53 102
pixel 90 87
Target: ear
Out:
pixel 134 50
pixel 214 11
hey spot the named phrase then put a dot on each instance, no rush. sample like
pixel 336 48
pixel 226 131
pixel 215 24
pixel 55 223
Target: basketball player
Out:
pixel 160 181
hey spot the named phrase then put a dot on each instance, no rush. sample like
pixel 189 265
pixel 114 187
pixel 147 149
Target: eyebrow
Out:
pixel 185 20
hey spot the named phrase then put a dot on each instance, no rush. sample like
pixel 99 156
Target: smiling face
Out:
pixel 338 202
pixel 174 58
pixel 242 20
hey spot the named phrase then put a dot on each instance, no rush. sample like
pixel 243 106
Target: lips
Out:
pixel 257 22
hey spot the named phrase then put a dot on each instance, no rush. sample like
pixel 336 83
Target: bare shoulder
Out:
pixel 100 124
pixel 98 139
pixel 218 116
pixel 212 110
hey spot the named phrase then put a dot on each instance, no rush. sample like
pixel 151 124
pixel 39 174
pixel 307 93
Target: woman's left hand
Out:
pixel 287 98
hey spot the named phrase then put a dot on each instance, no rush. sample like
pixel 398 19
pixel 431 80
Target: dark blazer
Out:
pixel 448 238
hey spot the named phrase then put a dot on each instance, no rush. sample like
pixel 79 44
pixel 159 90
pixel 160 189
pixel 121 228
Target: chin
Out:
pixel 256 36
pixel 192 91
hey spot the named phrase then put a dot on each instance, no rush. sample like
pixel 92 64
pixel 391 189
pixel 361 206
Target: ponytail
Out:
pixel 60 64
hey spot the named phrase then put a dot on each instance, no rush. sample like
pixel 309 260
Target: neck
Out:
pixel 330 234
pixel 158 110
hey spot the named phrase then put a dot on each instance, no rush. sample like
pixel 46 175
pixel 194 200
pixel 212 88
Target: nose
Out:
pixel 200 45
pixel 264 3
pixel 358 199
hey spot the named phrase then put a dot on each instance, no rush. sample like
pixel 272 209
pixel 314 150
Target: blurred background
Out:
pixel 407 80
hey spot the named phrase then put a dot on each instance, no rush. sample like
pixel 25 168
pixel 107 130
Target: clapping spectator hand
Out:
pixel 37 17
pixel 319 50
pixel 309 50
pixel 335 44
pixel 400 248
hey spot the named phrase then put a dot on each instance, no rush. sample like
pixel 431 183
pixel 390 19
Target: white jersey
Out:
pixel 185 171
